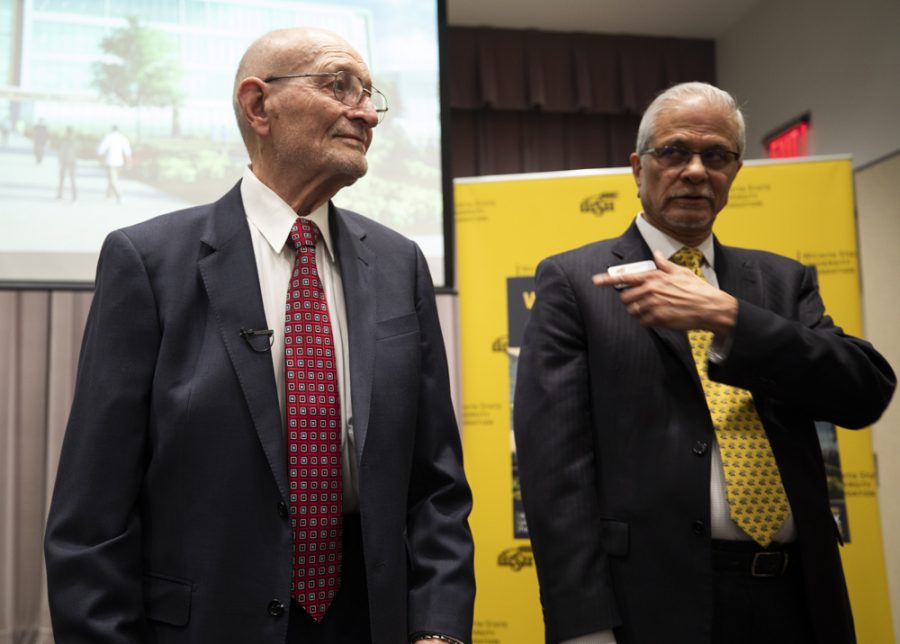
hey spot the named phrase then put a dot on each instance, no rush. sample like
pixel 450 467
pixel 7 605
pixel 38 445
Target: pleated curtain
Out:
pixel 538 101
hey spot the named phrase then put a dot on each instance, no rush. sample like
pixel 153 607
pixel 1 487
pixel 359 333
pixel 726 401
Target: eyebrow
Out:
pixel 683 143
pixel 367 82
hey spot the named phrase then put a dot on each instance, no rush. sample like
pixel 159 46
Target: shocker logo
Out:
pixel 599 204
pixel 516 558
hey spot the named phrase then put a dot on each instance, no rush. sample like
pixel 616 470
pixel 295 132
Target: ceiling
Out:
pixel 680 18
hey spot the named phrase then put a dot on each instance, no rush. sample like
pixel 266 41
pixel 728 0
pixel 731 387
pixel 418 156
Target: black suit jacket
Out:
pixel 613 437
pixel 168 521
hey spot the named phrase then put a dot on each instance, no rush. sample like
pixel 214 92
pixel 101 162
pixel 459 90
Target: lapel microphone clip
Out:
pixel 250 337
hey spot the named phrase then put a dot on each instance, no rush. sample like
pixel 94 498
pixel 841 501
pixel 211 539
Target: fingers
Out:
pixel 672 297
pixel 621 281
pixel 628 280
pixel 663 264
pixel 648 310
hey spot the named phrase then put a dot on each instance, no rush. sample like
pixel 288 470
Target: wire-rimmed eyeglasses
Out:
pixel 676 156
pixel 347 88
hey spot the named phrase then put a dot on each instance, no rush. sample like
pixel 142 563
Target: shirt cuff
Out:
pixel 720 348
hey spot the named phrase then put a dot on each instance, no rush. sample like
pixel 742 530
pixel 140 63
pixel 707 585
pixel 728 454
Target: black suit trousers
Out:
pixel 750 610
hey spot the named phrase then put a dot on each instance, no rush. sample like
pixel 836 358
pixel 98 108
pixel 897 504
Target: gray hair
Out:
pixel 679 93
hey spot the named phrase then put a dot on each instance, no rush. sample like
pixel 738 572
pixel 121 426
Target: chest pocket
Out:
pixel 400 325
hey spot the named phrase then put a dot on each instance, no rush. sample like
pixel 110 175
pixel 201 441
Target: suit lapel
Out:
pixel 232 284
pixel 631 247
pixel 738 276
pixel 357 266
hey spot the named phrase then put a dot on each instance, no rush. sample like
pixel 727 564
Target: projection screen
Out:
pixel 159 75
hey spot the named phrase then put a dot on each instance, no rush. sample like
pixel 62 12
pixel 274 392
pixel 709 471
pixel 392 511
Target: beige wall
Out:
pixel 878 209
pixel 839 60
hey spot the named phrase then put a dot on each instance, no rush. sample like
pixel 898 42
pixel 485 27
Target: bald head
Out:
pixel 279 52
pixel 303 108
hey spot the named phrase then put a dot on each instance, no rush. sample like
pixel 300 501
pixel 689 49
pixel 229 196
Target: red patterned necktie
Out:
pixel 314 431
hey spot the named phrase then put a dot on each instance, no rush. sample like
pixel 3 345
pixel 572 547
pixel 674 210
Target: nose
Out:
pixel 365 112
pixel 694 169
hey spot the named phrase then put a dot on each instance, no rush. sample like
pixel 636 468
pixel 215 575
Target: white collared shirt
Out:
pixel 270 220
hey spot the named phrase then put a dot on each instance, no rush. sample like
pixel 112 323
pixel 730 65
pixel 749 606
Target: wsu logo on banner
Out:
pixel 516 558
pixel 600 203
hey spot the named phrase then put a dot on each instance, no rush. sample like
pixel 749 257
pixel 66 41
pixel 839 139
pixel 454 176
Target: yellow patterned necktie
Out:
pixel 756 498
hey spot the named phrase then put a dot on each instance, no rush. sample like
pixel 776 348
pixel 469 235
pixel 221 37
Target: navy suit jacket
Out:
pixel 168 521
pixel 614 435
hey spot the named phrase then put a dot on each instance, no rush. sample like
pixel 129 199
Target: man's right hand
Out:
pixel 673 297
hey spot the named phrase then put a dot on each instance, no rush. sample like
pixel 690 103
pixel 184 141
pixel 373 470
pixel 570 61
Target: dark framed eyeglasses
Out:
pixel 347 88
pixel 676 156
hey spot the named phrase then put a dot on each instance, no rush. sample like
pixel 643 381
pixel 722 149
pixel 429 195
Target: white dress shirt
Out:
pixel 270 220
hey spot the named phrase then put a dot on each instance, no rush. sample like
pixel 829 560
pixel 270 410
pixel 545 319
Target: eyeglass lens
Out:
pixel 349 90
pixel 712 158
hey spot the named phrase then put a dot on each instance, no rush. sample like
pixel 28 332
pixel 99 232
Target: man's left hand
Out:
pixel 673 297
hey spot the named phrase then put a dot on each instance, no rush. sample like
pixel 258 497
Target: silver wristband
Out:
pixel 440 638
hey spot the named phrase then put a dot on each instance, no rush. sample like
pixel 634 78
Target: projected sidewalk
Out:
pixel 28 193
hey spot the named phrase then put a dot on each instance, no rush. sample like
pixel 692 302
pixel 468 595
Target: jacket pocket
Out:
pixel 614 537
pixel 167 599
pixel 396 326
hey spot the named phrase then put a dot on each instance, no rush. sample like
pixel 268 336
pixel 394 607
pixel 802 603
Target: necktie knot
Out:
pixel 689 258
pixel 304 233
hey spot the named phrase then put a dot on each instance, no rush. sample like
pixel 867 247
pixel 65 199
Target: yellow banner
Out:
pixel 506 225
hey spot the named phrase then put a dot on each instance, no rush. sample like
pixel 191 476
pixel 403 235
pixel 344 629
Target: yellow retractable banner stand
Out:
pixel 505 225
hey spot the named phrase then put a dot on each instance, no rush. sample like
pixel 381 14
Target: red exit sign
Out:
pixel 790 141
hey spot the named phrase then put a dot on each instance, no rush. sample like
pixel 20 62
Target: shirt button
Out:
pixel 276 608
pixel 699 528
pixel 282 510
pixel 700 448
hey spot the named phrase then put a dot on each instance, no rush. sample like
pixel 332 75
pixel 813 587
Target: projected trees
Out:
pixel 142 70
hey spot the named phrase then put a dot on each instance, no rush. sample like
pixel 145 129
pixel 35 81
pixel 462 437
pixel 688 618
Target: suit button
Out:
pixel 700 448
pixel 699 528
pixel 282 510
pixel 276 608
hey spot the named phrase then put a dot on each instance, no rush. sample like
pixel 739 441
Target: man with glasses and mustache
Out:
pixel 262 445
pixel 667 390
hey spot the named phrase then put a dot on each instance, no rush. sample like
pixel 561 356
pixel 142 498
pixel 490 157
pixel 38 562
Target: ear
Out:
pixel 635 161
pixel 251 98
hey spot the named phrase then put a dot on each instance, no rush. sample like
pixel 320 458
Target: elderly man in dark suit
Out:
pixel 671 474
pixel 262 446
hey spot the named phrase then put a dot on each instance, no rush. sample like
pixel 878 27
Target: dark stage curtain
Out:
pixel 536 101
